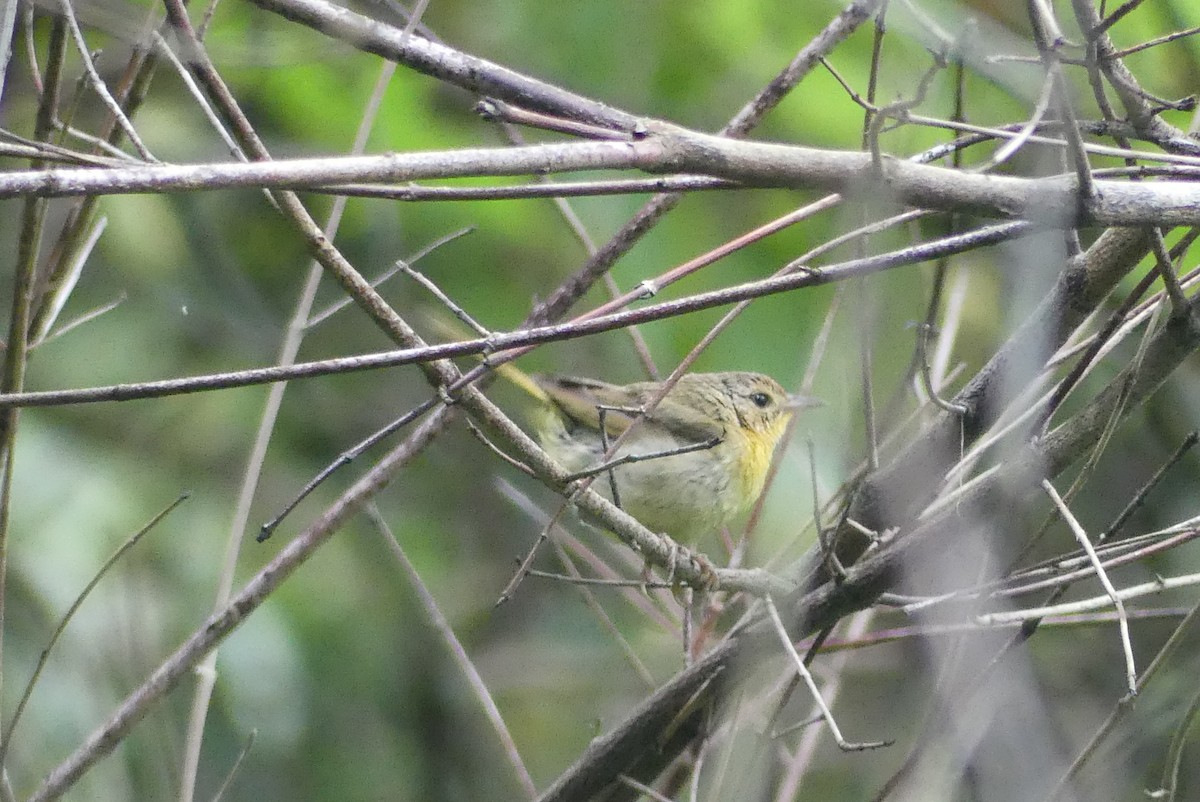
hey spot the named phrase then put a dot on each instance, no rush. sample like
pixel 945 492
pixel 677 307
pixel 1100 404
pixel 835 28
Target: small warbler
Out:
pixel 732 420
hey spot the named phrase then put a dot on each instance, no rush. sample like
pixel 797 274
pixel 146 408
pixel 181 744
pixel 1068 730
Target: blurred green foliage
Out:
pixel 351 694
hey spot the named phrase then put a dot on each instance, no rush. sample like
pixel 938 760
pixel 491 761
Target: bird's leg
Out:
pixel 708 571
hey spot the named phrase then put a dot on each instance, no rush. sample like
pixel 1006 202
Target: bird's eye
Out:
pixel 761 400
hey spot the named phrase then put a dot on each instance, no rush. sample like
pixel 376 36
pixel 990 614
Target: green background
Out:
pixel 350 692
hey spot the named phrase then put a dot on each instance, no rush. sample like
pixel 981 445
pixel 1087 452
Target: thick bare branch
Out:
pixel 1053 202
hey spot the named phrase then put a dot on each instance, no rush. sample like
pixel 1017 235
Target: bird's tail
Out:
pixel 454 330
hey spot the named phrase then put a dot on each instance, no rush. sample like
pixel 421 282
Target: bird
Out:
pixel 691 465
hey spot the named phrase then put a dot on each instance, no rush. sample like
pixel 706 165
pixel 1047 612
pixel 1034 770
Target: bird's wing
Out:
pixel 580 400
pixel 683 421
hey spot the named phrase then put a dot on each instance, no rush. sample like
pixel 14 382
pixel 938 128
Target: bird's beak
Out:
pixel 799 402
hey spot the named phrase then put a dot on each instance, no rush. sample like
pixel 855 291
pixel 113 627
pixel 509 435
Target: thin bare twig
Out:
pixel 798 662
pixel 114 558
pixel 1139 498
pixel 642 788
pixel 445 299
pixel 1169 786
pixel 198 95
pixel 98 83
pixel 60 290
pixel 512 341
pixel 1123 706
pixel 632 593
pixel 629 459
pixel 599 582
pixel 418 255
pixel 1165 266
pixel 346 457
pixel 463 660
pixel 923 333
pixel 495 449
pixel 1115 17
pixel 83 319
pixel 227 783
pixel 1161 40
pixel 1114 599
pixel 492 109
